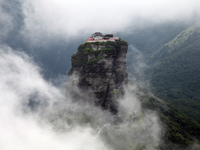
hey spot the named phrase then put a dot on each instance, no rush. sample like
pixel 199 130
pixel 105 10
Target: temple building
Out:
pixel 99 37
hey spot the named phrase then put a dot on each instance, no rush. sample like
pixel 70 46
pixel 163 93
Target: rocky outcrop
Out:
pixel 101 71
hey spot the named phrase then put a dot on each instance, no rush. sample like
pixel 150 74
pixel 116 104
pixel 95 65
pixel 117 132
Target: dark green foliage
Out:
pixel 109 43
pixel 84 45
pixel 93 61
pixel 80 59
pixel 180 130
pixel 88 51
pixel 172 52
pixel 109 51
pixel 122 42
pixel 180 125
pixel 174 71
pixel 176 77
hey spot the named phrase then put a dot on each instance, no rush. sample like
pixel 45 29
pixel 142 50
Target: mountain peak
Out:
pixel 100 70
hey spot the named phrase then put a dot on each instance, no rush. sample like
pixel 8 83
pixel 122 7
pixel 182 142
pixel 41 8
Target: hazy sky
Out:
pixel 77 17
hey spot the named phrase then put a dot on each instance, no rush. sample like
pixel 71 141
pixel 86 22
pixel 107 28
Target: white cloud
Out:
pixel 34 114
pixel 47 127
pixel 23 129
pixel 6 23
pixel 136 66
pixel 69 18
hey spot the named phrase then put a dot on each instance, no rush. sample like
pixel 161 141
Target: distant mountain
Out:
pixel 152 37
pixel 172 54
pixel 176 73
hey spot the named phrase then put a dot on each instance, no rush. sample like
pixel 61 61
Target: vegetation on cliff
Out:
pixel 102 69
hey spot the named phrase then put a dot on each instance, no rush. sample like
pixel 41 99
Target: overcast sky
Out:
pixel 76 17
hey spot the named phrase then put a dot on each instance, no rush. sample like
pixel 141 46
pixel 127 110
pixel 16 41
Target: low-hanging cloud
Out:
pixel 34 114
pixel 22 128
pixel 76 18
pixel 41 22
pixel 136 66
pixel 6 21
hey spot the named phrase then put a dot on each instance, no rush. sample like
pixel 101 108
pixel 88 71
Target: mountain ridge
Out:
pixel 175 75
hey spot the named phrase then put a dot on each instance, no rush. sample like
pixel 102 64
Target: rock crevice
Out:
pixel 101 71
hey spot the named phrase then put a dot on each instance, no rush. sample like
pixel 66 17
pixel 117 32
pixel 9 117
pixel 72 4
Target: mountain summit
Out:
pixel 99 69
pixel 98 76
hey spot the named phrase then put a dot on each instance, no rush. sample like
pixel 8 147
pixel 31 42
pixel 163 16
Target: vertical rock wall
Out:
pixel 101 71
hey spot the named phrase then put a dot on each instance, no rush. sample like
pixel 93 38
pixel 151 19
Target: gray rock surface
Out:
pixel 100 70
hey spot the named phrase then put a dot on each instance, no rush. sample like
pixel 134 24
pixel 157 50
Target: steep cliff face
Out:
pixel 101 71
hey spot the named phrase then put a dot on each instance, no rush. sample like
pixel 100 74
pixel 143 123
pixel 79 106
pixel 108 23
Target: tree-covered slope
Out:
pixel 176 74
pixel 171 52
pixel 152 37
pixel 180 131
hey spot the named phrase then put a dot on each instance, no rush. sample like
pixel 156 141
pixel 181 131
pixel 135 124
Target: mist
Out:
pixel 26 126
pixel 37 22
pixel 76 19
pixel 35 114
pixel 50 31
pixel 136 67
pixel 79 18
